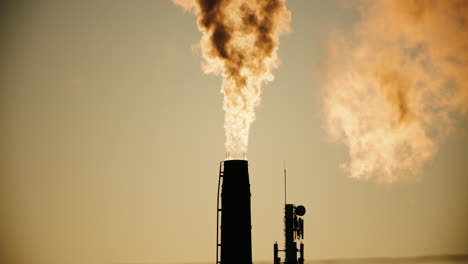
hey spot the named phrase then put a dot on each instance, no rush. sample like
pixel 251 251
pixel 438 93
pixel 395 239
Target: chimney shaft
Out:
pixel 236 228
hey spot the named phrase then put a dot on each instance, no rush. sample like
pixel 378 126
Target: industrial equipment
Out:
pixel 293 232
pixel 233 212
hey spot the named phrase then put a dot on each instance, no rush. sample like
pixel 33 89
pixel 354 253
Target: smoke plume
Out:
pixel 396 84
pixel 240 43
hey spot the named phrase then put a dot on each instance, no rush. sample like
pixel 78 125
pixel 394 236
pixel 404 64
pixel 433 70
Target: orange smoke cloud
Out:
pixel 393 89
pixel 240 43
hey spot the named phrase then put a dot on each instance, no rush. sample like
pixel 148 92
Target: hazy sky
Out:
pixel 111 138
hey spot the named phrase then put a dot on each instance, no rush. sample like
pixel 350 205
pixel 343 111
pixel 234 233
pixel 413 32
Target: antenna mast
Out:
pixel 293 232
pixel 285 182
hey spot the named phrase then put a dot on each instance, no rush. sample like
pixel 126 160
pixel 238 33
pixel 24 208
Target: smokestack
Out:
pixel 236 228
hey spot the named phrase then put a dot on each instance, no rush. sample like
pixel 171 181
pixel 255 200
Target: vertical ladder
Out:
pixel 218 211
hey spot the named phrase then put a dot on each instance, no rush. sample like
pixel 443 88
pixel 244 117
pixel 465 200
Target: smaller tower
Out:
pixel 293 232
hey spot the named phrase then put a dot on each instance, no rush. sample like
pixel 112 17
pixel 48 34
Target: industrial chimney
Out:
pixel 234 210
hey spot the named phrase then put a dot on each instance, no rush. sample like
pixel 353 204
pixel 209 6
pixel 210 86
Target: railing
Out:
pixel 218 211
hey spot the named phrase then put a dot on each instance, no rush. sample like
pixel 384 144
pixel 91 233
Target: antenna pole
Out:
pixel 284 183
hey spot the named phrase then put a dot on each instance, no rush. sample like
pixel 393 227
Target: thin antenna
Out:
pixel 285 183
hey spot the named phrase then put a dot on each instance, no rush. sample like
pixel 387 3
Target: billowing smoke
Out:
pixel 240 43
pixel 395 86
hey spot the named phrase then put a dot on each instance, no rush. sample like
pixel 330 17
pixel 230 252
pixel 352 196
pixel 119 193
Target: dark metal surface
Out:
pixel 236 228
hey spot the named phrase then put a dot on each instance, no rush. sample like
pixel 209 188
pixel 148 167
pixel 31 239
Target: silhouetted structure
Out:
pixel 236 228
pixel 293 230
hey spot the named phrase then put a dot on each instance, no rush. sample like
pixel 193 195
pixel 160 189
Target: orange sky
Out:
pixel 112 135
